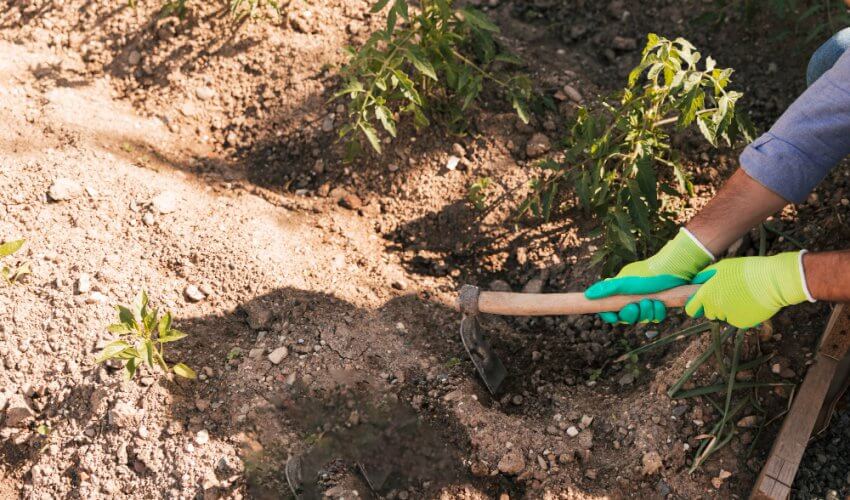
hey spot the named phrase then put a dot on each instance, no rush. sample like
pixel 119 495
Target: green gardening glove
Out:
pixel 674 265
pixel 749 290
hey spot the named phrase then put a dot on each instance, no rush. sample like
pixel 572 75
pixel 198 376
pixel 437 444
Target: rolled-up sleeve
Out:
pixel 808 140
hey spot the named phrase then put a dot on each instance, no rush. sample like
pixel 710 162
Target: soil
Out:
pixel 202 153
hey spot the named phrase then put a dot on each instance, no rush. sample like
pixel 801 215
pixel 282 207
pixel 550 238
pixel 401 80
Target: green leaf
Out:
pixel 111 350
pixel 380 4
pixel 126 316
pixel 694 101
pixel 507 57
pixel 521 108
pixel 352 88
pixel 420 63
pixel 119 328
pixel 371 135
pixel 401 7
pixel 150 321
pixel 140 304
pixel 184 371
pixel 479 20
pixel 11 247
pixel 419 119
pixel 130 368
pixel 647 181
pixel 384 115
pixel 164 325
pixel 172 336
pixel 149 355
pixel 638 207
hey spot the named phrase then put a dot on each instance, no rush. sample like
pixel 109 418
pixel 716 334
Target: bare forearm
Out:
pixel 828 275
pixel 740 205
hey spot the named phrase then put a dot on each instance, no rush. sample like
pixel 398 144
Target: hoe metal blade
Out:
pixel 489 366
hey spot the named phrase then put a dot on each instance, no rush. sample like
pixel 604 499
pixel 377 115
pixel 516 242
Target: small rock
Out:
pixel 624 43
pixel 351 201
pixel 148 219
pixel 536 355
pixel 458 150
pixel 202 437
pixel 500 286
pixel 538 145
pixel 534 285
pixel 260 317
pixel 204 93
pixel 193 293
pixel 231 138
pixel 749 421
pixel 572 431
pixel 586 421
pixel 516 400
pixel 512 463
pixel 585 439
pixel 134 58
pixel 165 202
pixel 278 354
pixel 64 189
pixel 399 284
pixel 83 283
pixel 124 415
pixel 18 412
pixel 452 162
pixel 628 378
pixel 328 122
pixel 319 166
pixel 717 482
pixel 651 334
pixel 572 93
pixel 651 463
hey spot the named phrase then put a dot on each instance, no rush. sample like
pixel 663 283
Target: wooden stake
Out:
pixel 775 480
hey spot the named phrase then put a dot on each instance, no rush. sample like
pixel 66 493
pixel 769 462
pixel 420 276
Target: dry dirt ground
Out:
pixel 191 158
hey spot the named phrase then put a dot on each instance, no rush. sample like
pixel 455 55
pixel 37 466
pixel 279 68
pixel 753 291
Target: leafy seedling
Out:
pixel 477 194
pixel 619 159
pixel 142 337
pixel 429 62
pixel 13 273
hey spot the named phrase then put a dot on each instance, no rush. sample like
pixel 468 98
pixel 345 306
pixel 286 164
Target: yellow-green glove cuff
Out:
pixel 747 291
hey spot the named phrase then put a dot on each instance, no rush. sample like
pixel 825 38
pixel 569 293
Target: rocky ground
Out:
pixel 197 162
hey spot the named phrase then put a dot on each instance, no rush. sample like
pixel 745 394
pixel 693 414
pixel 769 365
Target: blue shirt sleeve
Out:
pixel 808 140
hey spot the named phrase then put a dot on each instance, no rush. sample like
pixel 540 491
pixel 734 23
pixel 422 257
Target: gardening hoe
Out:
pixel 473 301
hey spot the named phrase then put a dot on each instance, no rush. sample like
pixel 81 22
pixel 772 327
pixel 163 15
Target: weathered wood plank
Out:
pixel 775 480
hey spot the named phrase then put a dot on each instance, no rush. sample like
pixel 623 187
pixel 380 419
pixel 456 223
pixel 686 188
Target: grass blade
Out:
pixel 689 372
pixel 712 389
pixel 680 335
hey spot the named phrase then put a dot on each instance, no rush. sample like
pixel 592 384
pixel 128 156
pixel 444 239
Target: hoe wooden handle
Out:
pixel 555 304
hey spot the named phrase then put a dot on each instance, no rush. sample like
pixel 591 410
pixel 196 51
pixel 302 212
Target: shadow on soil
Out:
pixel 352 401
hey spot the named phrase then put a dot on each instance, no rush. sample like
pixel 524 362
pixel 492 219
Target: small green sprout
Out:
pixel 142 338
pixel 13 273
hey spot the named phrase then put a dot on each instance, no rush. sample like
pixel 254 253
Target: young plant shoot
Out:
pixel 142 335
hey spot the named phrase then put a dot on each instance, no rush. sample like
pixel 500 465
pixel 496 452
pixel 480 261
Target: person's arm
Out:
pixel 740 205
pixel 828 275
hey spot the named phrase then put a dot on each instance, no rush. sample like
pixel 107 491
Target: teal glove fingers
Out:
pixel 674 265
pixel 633 285
pixel 747 291
pixel 645 311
